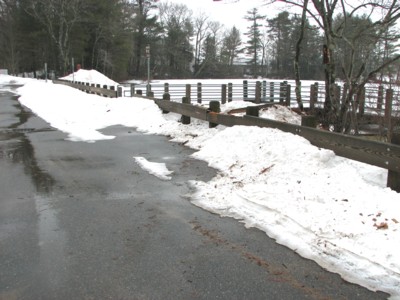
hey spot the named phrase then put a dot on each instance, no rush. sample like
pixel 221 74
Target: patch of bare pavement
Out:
pixel 84 221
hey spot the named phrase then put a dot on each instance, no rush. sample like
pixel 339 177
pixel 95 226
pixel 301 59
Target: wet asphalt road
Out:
pixel 83 221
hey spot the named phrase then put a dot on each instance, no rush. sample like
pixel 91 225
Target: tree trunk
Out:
pixel 297 56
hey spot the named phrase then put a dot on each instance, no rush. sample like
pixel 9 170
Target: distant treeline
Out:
pixel 116 37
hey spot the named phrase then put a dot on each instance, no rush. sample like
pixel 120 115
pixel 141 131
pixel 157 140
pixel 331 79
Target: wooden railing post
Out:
pixel 380 98
pixel 388 112
pixel 258 92
pixel 312 96
pixel 166 87
pixel 253 111
pixel 199 96
pixel 264 90
pixel 185 119
pixel 393 180
pixel 271 91
pixel 245 90
pixel 230 92
pixel 119 91
pixel 188 92
pixel 98 86
pixel 148 90
pixel 316 91
pixel 223 94
pixel 132 89
pixel 288 95
pixel 282 91
pixel 361 102
pixel 214 107
pixel 166 97
pixel 113 89
pixel 309 121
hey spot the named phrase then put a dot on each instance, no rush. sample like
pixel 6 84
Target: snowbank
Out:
pixel 90 76
pixel 335 211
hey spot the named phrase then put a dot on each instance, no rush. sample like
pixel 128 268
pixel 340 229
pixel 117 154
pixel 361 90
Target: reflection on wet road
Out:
pixel 15 147
pixel 83 221
pixel 17 155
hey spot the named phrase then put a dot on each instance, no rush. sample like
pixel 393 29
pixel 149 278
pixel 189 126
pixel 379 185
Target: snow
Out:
pixel 7 80
pixel 90 76
pixel 332 210
pixel 157 169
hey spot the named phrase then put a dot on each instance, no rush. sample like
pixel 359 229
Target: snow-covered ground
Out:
pixel 90 76
pixel 335 211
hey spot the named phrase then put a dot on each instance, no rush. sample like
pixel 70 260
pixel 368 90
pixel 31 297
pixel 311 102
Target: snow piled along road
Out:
pixel 335 211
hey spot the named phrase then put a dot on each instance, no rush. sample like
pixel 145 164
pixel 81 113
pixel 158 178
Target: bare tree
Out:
pixel 201 26
pixel 209 48
pixel 297 55
pixel 384 12
pixel 58 17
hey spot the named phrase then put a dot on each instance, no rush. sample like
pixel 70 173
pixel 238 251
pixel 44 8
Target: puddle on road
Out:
pixel 17 149
pixel 15 146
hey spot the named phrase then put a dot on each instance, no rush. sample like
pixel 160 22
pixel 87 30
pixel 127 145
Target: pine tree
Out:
pixel 231 46
pixel 254 39
pixel 280 29
pixel 177 50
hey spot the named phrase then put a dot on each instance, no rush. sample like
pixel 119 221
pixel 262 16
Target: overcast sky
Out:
pixel 228 12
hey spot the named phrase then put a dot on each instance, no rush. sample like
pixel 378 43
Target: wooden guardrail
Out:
pixel 374 97
pixel 90 88
pixel 383 155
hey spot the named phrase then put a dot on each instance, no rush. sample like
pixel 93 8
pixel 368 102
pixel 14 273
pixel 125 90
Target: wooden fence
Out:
pixel 379 154
pixel 103 90
pixel 375 99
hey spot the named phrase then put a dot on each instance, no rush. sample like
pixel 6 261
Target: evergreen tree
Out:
pixel 254 39
pixel 280 29
pixel 9 56
pixel 146 31
pixel 355 46
pixel 177 53
pixel 231 46
pixel 209 67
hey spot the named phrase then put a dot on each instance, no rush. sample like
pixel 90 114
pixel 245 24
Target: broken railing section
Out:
pixel 384 155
